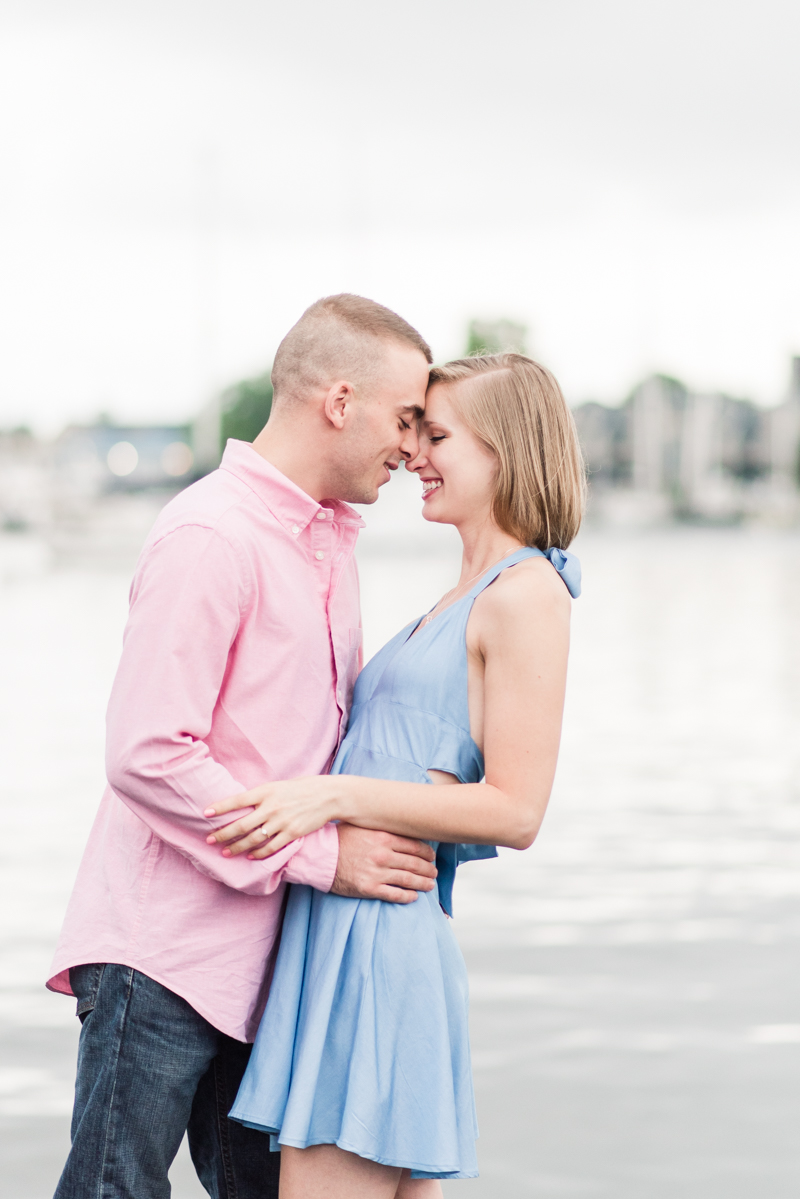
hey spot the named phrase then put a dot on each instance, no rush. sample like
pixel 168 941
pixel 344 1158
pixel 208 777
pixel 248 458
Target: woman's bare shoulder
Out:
pixel 531 582
pixel 531 589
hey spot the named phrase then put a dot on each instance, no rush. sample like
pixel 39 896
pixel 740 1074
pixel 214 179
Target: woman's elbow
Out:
pixel 520 823
pixel 521 836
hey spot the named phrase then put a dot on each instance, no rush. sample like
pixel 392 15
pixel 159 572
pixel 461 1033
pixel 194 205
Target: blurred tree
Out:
pixel 245 409
pixel 496 337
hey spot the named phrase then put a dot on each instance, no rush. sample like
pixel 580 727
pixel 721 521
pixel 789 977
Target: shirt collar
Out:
pixel 290 505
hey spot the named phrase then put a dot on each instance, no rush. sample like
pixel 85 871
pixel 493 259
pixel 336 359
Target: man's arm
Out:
pixel 187 600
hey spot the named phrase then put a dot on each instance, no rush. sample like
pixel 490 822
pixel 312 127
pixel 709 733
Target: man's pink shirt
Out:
pixel 238 663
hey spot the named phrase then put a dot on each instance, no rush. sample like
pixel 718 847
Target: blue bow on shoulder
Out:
pixel 568 567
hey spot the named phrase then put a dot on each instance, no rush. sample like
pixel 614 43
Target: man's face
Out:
pixel 383 429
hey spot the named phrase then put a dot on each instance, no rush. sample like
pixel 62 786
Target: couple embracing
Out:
pixel 246 752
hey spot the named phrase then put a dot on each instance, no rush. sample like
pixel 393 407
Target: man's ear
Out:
pixel 338 402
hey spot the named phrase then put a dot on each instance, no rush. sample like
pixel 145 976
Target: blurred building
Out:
pixel 24 481
pixel 107 483
pixel 784 437
pixel 668 452
pixel 93 460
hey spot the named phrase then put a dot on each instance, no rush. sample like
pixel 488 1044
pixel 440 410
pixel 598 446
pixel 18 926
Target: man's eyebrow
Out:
pixel 414 409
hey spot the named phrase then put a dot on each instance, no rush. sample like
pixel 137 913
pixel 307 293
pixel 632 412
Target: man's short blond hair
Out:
pixel 339 337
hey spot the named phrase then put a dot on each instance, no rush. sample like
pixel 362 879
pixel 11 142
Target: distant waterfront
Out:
pixel 666 453
pixel 636 1003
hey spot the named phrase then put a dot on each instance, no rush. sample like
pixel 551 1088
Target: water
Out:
pixel 636 991
pixel 635 975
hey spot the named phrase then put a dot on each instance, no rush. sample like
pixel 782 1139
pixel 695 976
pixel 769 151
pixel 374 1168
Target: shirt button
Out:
pixel 295 528
pixel 322 516
pixel 319 555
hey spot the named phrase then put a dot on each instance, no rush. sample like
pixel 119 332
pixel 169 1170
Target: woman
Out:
pixel 361 1065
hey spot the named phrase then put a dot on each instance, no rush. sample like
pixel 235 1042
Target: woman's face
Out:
pixel 457 472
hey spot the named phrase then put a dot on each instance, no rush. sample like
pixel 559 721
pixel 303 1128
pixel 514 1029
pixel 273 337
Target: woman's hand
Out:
pixel 281 813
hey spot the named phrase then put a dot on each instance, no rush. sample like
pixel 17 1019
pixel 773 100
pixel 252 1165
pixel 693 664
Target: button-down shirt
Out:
pixel 238 663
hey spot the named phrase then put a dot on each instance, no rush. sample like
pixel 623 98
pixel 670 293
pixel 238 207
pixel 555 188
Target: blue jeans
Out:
pixel 149 1069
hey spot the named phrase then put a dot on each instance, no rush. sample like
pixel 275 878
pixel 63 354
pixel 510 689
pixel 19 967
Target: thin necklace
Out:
pixel 441 604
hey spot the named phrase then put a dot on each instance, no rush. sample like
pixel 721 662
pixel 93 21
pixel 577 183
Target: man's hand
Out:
pixel 375 865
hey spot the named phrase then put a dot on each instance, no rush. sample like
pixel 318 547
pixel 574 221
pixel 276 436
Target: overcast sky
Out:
pixel 180 178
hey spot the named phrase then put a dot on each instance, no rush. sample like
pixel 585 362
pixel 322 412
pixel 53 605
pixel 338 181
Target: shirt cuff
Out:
pixel 316 860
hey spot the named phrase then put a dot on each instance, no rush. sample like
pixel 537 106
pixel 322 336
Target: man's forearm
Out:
pixel 311 860
pixel 185 613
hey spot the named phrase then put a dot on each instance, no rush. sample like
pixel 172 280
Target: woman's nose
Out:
pixel 418 462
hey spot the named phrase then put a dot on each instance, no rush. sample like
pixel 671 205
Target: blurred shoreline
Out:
pixel 665 455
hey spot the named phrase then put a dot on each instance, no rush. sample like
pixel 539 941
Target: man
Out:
pixel 239 658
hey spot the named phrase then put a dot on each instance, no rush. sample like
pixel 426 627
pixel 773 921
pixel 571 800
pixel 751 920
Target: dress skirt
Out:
pixel 364 1042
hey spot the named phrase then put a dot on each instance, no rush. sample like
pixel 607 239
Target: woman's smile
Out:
pixel 429 486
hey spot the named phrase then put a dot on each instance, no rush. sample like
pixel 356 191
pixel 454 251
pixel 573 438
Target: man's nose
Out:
pixel 409 446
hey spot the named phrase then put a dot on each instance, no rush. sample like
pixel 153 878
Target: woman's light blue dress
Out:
pixel 364 1042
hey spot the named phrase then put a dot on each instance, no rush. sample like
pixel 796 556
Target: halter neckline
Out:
pixel 488 576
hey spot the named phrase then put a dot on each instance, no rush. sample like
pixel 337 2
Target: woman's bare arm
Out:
pixel 519 634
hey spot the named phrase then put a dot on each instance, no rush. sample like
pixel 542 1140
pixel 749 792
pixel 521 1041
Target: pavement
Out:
pixel 635 1071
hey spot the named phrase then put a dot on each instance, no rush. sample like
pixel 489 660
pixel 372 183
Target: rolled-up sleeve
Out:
pixel 188 598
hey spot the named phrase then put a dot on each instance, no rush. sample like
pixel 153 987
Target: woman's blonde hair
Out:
pixel 515 408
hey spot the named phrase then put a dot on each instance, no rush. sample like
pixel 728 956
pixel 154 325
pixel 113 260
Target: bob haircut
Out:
pixel 516 409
